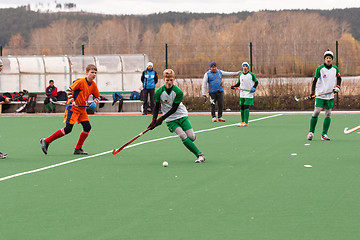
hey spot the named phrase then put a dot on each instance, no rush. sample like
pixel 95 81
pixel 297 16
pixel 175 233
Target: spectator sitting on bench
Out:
pixel 51 93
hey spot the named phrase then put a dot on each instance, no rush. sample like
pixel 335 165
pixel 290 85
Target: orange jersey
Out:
pixel 80 92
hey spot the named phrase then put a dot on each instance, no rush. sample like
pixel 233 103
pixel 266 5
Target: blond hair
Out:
pixel 169 73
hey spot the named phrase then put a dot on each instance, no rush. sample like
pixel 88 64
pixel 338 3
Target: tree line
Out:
pixel 284 43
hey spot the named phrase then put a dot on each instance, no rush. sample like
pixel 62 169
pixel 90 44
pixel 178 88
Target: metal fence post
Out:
pixel 83 49
pixel 166 56
pixel 251 62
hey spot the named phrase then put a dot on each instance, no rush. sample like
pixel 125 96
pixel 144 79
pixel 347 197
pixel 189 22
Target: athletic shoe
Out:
pixel 221 120
pixel 310 136
pixel 201 159
pixel 243 124
pixel 80 152
pixel 44 145
pixel 3 155
pixel 214 119
pixel 325 138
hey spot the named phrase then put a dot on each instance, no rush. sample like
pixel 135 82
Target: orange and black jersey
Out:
pixel 80 92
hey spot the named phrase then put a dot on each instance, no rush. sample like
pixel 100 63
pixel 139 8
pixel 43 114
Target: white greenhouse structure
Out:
pixel 116 73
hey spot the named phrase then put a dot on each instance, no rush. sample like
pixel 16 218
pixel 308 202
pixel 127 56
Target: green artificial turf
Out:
pixel 253 185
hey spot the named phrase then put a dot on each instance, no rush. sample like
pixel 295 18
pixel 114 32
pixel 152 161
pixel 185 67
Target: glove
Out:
pixel 159 121
pixel 154 123
pixel 92 105
pixel 222 84
pixel 232 87
pixel 312 95
pixel 336 89
pixel 252 90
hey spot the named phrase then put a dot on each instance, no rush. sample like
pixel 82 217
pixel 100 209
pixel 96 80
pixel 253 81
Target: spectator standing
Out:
pixel 149 78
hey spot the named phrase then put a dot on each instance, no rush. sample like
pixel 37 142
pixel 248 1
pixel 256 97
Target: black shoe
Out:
pixel 80 152
pixel 144 114
pixel 44 145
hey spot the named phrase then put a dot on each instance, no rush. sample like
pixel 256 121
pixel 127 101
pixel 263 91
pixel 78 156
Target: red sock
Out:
pixel 58 134
pixel 83 136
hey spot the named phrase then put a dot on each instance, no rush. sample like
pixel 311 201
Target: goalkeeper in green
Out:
pixel 169 98
pixel 327 79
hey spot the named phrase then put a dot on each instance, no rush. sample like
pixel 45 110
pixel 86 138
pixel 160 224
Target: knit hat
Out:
pixel 150 64
pixel 246 64
pixel 329 53
pixel 213 64
pixel 1 63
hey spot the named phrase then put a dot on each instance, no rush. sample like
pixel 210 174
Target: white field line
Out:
pixel 133 145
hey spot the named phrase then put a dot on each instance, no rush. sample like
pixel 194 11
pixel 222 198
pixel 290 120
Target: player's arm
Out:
pixel 204 84
pixel 156 122
pixel 313 86
pixel 226 74
pixel 54 93
pixel 152 125
pixel 156 78
pixel 96 97
pixel 70 92
pixel 255 83
pixel 236 85
pixel 143 76
pixel 338 81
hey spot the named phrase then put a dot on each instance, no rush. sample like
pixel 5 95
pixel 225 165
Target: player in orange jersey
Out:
pixel 78 94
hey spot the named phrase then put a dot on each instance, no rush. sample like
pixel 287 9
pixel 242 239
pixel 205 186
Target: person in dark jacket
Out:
pixel 51 93
pixel 149 78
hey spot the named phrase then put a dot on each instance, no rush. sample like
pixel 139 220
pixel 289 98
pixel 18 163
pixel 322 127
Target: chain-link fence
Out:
pixel 268 59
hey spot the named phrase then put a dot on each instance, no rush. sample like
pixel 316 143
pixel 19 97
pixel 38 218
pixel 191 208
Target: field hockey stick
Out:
pixel 21 94
pixel 347 130
pixel 116 151
pixel 310 97
pixel 64 104
pixel 243 89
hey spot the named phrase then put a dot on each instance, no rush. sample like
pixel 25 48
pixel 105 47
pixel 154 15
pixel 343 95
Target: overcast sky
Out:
pixel 199 6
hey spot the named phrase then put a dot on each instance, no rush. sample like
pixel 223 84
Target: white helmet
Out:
pixel 329 53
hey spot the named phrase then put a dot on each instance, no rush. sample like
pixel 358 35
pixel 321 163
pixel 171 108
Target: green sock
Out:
pixel 54 106
pixel 48 106
pixel 246 115
pixel 326 125
pixel 191 146
pixel 242 115
pixel 313 122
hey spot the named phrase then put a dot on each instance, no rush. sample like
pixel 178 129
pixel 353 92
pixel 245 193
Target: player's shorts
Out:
pixel 324 103
pixel 72 116
pixel 246 101
pixel 183 122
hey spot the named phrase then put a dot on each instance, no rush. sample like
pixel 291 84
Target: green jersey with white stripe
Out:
pixel 326 81
pixel 167 98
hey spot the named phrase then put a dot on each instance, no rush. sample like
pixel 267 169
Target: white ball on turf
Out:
pixel 165 163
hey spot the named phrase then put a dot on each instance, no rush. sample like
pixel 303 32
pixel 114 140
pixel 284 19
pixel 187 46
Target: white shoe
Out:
pixel 310 136
pixel 201 159
pixel 325 138
pixel 214 119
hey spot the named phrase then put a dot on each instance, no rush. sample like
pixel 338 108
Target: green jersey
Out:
pixel 326 81
pixel 167 99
